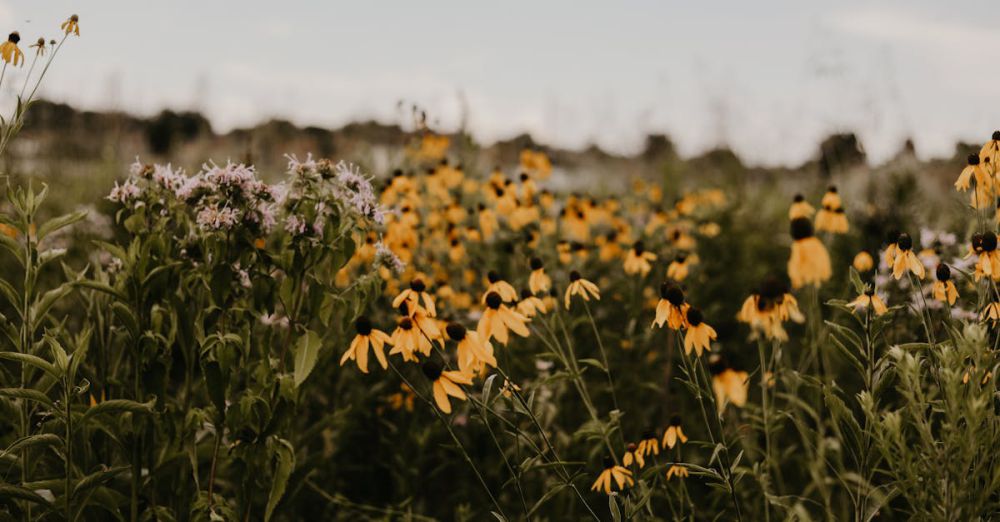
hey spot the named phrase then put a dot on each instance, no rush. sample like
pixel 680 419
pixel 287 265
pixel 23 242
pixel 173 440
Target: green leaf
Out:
pixel 63 221
pixel 97 478
pixel 11 491
pixel 616 513
pixel 120 406
pixel 216 387
pixel 32 360
pixel 42 439
pixel 283 469
pixel 26 394
pixel 487 387
pixel 101 287
pixel 306 352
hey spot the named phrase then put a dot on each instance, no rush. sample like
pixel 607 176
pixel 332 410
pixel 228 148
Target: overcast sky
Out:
pixel 767 78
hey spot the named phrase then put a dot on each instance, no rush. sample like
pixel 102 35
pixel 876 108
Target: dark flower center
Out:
pixel 492 276
pixel 406 323
pixel 675 420
pixel 973 159
pixel 639 248
pixel 943 272
pixel 672 293
pixel 536 263
pixel 493 300
pixel 525 293
pixel 989 241
pixel 799 198
pixel 904 242
pixel 432 369
pixel 574 276
pixel 14 37
pixel 455 331
pixel 832 189
pixel 417 285
pixel 363 325
pixel 801 228
pixel 694 316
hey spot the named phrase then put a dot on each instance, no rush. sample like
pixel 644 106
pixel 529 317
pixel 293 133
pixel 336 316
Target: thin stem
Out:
pixel 604 355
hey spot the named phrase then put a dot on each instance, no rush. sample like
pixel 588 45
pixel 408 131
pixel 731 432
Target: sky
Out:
pixel 767 78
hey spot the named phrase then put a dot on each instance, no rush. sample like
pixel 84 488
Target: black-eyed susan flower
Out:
pixel 581 287
pixel 905 260
pixel 638 259
pixel 863 261
pixel 10 52
pixel 988 263
pixel 538 282
pixel 671 308
pixel 729 385
pixel 991 312
pixel 867 299
pixel 501 287
pixel 612 476
pixel 944 288
pixel 367 337
pixel 976 170
pixel 678 268
pixel 414 295
pixel 497 320
pixel 487 222
pixel 771 305
pixel 633 456
pixel 529 305
pixel 800 208
pixel 71 25
pixel 674 433
pixel 809 263
pixel 678 471
pixel 989 154
pixel 831 216
pixel 445 383
pixel 408 341
pixel 698 335
pixel 473 351
pixel 649 445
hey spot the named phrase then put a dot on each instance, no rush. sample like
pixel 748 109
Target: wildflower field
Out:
pixel 456 335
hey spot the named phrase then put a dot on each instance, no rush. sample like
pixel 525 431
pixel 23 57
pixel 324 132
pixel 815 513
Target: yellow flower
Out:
pixel 445 383
pixel 408 340
pixel 498 319
pixel 800 208
pixel 809 263
pixel 991 312
pixel 699 335
pixel 678 268
pixel 72 25
pixel 581 287
pixel 975 169
pixel 944 288
pixel 414 295
pixel 529 305
pixel 869 299
pixel 905 259
pixel 637 260
pixel 538 282
pixel 366 337
pixel 677 471
pixel 501 287
pixel 649 445
pixel 988 263
pixel 10 52
pixel 403 399
pixel 729 385
pixel 473 351
pixel 671 307
pixel 613 475
pixel 863 262
pixel 633 455
pixel 674 433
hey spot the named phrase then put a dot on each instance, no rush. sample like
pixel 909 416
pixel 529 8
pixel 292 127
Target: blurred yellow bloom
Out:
pixel 10 52
pixel 71 25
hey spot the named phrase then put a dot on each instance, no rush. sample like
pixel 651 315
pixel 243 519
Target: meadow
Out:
pixel 410 325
